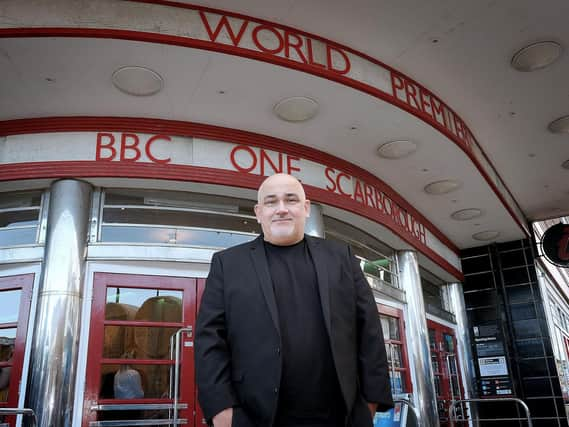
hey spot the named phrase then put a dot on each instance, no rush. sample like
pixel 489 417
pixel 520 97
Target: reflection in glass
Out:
pixel 390 326
pixel 151 305
pixel 7 340
pixel 137 342
pixel 9 306
pixel 164 235
pixel 134 381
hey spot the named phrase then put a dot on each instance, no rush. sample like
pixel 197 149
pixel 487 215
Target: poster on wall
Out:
pixel 492 366
pixel 395 417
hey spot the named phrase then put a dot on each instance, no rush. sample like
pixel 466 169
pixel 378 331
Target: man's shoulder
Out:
pixel 237 249
pixel 329 245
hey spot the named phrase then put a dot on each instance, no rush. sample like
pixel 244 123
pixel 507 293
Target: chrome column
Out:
pixel 56 331
pixel 463 343
pixel 315 223
pixel 424 394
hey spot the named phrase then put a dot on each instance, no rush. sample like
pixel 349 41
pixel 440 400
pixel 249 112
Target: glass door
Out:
pixel 15 300
pixel 140 366
pixel 444 361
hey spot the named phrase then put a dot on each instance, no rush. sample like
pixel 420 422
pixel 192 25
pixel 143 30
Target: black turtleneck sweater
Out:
pixel 309 392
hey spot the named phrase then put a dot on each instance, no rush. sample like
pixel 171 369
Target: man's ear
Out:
pixel 257 208
pixel 307 207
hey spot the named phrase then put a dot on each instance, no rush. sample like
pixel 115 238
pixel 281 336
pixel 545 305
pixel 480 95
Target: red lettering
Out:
pixel 234 162
pixel 275 33
pixel 358 193
pixel 396 83
pixel 223 23
pixel 129 147
pixel 347 65
pixel 459 125
pixel 327 172
pixel 411 93
pixel 438 111
pixel 148 148
pixel 369 195
pixel 289 166
pixel 108 146
pixel 296 46
pixel 379 200
pixel 425 103
pixel 265 157
pixel 311 60
pixel 339 183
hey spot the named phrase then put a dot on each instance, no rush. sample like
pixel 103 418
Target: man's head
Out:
pixel 282 209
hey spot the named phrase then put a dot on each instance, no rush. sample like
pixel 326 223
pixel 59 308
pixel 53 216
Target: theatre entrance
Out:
pixel 140 362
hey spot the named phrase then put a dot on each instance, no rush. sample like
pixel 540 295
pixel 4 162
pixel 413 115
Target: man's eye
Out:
pixel 292 200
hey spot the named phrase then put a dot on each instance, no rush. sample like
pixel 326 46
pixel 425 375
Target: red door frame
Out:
pixel 95 359
pixel 23 282
pixel 398 314
pixel 445 376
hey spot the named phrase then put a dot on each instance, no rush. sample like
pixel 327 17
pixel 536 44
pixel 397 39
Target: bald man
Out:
pixel 288 333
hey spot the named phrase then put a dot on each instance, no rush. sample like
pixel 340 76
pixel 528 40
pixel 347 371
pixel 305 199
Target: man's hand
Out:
pixel 372 408
pixel 224 418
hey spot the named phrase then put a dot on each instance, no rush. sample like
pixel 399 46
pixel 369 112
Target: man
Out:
pixel 288 332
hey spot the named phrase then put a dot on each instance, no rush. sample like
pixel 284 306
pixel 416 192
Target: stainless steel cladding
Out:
pixel 56 330
pixel 424 396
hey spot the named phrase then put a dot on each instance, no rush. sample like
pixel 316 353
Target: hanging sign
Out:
pixel 555 244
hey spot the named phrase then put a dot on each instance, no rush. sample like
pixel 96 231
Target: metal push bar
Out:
pixel 454 403
pixel 26 412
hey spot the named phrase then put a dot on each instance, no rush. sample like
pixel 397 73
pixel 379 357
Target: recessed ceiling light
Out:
pixel 565 164
pixel 137 81
pixel 442 187
pixel 536 56
pixel 560 125
pixel 466 214
pixel 296 109
pixel 396 149
pixel 486 235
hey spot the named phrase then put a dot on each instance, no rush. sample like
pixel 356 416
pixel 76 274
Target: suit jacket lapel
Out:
pixel 262 269
pixel 320 263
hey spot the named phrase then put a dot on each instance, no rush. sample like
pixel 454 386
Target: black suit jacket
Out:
pixel 237 339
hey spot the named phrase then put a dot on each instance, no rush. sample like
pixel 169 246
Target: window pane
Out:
pixel 448 343
pixel 17 236
pixel 24 199
pixel 19 218
pixel 396 382
pixel 134 381
pixel 180 218
pixel 394 328
pixel 215 239
pixel 385 327
pixel 152 305
pixel 7 341
pixel 10 306
pixel 137 343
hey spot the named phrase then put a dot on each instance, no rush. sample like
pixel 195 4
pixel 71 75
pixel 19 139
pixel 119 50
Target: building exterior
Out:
pixel 133 135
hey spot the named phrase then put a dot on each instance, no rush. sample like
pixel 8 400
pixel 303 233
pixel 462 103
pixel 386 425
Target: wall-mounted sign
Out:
pixel 555 244
pixel 492 366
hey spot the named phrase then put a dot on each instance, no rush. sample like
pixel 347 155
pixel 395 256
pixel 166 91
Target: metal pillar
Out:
pixel 56 331
pixel 315 223
pixel 463 343
pixel 424 394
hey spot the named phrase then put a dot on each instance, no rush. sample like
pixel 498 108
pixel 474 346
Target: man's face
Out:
pixel 282 210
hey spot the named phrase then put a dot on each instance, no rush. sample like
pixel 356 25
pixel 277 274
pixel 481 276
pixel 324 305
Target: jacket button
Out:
pixel 278 350
pixel 276 390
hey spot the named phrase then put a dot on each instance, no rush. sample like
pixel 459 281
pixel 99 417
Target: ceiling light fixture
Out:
pixel 536 56
pixel 137 81
pixel 442 187
pixel 396 149
pixel 296 109
pixel 466 214
pixel 484 236
pixel 560 125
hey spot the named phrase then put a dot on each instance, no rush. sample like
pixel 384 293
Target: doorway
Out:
pixel 140 365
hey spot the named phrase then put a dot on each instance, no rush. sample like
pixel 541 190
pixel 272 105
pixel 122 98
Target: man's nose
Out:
pixel 281 206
